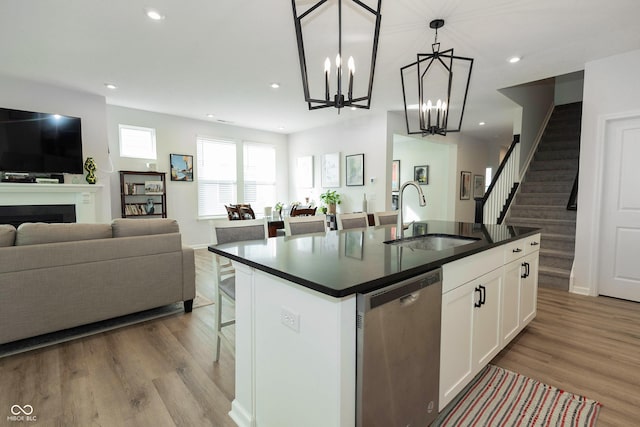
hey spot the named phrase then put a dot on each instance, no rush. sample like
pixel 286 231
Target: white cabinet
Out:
pixel 520 286
pixel 487 299
pixel 470 332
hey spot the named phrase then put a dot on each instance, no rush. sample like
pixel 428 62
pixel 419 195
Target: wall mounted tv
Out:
pixel 39 143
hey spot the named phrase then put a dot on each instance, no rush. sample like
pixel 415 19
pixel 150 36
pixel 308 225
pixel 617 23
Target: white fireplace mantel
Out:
pixel 85 197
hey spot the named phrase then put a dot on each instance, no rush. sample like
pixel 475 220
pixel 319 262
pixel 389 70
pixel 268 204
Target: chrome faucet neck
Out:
pixel 421 199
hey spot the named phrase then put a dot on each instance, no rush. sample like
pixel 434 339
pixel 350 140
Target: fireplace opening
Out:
pixel 16 215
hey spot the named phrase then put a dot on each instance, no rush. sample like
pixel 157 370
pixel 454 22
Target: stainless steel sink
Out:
pixel 433 242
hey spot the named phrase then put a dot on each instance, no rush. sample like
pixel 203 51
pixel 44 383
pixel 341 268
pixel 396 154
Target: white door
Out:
pixel 619 269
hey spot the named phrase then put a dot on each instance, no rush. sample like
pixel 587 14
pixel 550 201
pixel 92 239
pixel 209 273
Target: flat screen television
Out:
pixel 40 143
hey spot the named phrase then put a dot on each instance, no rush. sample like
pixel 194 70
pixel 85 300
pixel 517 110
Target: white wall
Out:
pixel 33 96
pixel 439 157
pixel 610 88
pixel 536 99
pixel 569 88
pixel 352 136
pixel 178 135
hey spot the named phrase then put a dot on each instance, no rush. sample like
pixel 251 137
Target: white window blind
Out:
pixel 217 176
pixel 259 175
pixel 137 142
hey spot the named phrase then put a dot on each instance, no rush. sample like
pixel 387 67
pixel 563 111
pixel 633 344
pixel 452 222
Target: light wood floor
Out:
pixel 161 373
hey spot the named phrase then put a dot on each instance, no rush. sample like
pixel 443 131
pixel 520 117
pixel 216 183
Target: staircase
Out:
pixel 542 199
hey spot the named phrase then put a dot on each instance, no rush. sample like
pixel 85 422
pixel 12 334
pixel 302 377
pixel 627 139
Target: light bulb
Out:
pixel 425 107
pixel 429 105
pixel 352 65
pixel 338 60
pixel 439 104
pixel 327 65
pixel 444 106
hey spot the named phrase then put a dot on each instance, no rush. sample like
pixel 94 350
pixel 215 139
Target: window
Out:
pixel 223 179
pixel 259 175
pixel 137 142
pixel 217 176
pixel 487 178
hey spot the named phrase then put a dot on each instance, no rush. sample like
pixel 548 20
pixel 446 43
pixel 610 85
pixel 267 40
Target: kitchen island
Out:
pixel 296 312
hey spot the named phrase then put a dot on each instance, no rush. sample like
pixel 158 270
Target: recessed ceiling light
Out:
pixel 353 108
pixel 280 127
pixel 482 123
pixel 154 14
pixel 275 85
pixel 210 116
pixel 111 86
pixel 514 59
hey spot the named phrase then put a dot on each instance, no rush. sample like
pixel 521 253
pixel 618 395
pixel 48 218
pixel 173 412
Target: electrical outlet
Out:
pixel 290 319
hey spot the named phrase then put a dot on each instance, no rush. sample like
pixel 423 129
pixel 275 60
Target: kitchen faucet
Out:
pixel 421 199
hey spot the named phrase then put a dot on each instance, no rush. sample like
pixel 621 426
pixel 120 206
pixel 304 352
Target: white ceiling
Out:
pixel 220 56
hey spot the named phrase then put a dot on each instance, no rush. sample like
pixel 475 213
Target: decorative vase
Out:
pixel 90 167
pixel 332 208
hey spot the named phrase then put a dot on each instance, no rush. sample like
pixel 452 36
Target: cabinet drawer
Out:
pixel 456 273
pixel 532 244
pixel 514 250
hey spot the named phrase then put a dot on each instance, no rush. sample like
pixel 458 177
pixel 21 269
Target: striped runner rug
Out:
pixel 504 398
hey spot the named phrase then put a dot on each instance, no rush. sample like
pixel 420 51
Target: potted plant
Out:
pixel 278 207
pixel 330 198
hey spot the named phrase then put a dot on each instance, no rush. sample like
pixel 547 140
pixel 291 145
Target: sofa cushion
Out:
pixel 7 235
pixel 34 233
pixel 123 227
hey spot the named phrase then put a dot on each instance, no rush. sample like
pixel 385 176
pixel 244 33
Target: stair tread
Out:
pixel 542 220
pixel 557 253
pixel 554 271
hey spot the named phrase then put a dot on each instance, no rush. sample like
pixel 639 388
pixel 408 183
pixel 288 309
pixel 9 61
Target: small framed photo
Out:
pixel 478 186
pixel 153 187
pixel 465 185
pixel 181 167
pixel 421 174
pixel 355 169
pixel 395 175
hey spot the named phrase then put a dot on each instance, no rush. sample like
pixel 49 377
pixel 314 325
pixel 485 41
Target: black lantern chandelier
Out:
pixel 440 89
pixel 338 98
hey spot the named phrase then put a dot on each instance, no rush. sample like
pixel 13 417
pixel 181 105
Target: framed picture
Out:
pixel 153 187
pixel 478 186
pixel 394 201
pixel 395 175
pixel 331 170
pixel 181 167
pixel 304 172
pixel 355 169
pixel 465 185
pixel 421 174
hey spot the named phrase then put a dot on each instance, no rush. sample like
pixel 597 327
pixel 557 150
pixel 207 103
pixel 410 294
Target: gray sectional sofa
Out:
pixel 58 276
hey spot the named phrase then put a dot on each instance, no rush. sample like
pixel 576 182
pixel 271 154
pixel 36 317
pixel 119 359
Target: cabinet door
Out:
pixel 486 318
pixel 529 289
pixel 511 300
pixel 455 342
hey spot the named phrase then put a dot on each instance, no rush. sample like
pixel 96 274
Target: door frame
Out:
pixel 593 275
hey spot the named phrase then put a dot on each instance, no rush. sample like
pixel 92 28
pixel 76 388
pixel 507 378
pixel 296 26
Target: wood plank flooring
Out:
pixel 160 373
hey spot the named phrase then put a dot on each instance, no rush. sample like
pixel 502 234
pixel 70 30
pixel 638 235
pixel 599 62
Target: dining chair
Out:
pixel 225 289
pixel 384 218
pixel 295 211
pixel 294 225
pixel 352 220
pixel 233 213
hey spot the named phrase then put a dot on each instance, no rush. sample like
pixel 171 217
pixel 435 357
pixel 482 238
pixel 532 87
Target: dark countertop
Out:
pixel 341 263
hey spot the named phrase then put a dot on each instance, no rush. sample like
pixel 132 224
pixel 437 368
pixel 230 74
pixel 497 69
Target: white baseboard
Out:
pixel 241 417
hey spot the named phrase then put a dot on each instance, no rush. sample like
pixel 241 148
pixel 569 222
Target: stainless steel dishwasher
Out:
pixel 398 353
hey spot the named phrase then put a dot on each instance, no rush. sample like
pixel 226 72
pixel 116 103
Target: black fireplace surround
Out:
pixel 16 215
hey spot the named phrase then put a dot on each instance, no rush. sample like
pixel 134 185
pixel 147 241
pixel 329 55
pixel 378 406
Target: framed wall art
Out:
pixel 354 169
pixel 304 172
pixel 478 186
pixel 421 174
pixel 181 167
pixel 331 170
pixel 465 185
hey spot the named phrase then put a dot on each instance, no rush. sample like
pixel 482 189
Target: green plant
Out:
pixel 279 206
pixel 330 197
